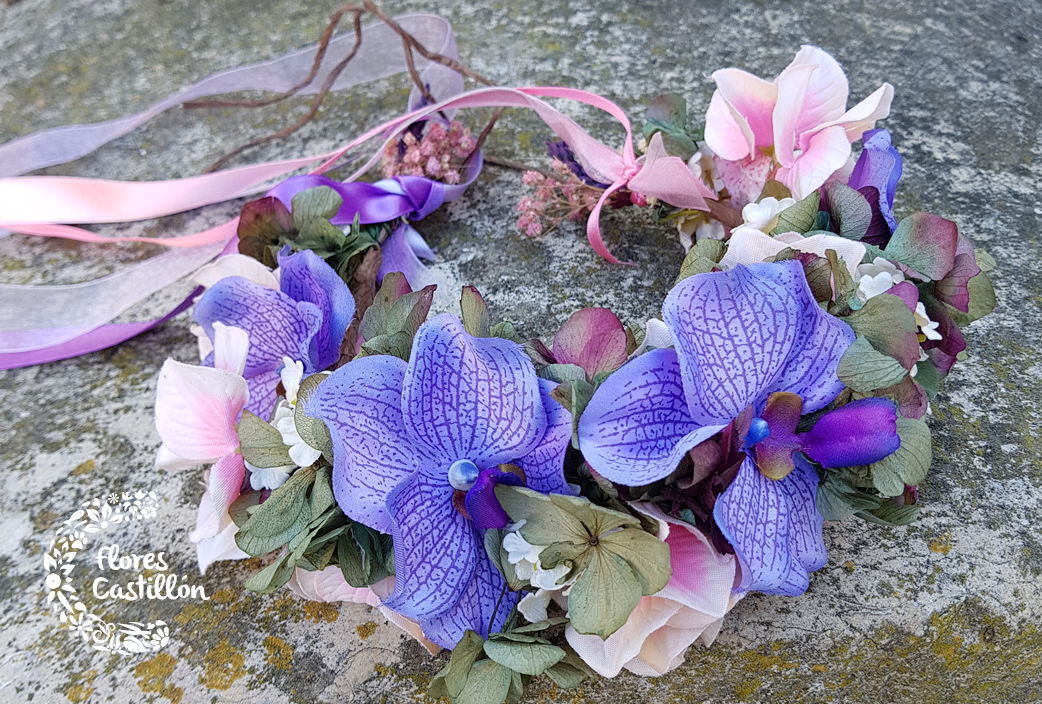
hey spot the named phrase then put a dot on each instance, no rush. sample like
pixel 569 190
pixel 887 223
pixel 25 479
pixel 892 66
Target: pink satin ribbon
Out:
pixel 42 205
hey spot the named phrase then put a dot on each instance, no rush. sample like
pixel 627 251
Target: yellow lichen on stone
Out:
pixel 366 629
pixel 319 611
pixel 82 687
pixel 224 665
pixel 942 545
pixel 280 655
pixel 152 675
pixel 83 468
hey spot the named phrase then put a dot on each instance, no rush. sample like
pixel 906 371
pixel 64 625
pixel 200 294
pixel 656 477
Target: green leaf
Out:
pixel 565 676
pixel 887 323
pixel 526 658
pixel 890 514
pixel 410 311
pixel 272 577
pixel 280 519
pixel 926 243
pixel 488 683
pixel 800 216
pixel 562 373
pixel 507 332
pixel 850 211
pixel 397 345
pixel 263 224
pixel 668 114
pixel 982 300
pixel 321 237
pixel 322 498
pixel 845 288
pixel 554 518
pixel 474 312
pixel 909 464
pixel 464 655
pixel 312 430
pixel 517 688
pixel 261 443
pixel 240 508
pixel 351 561
pixel 836 499
pixel 864 369
pixel 541 625
pixel 319 203
pixel 774 189
pixel 702 258
pixel 646 554
pixel 926 375
pixel 603 598
pixel 819 278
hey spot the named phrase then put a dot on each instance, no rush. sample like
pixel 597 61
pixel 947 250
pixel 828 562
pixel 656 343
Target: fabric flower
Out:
pixel 415 446
pixel 664 625
pixel 305 320
pixel 876 278
pixel 751 246
pixel 741 336
pixel 795 127
pixel 197 409
pixel 879 166
pixel 763 216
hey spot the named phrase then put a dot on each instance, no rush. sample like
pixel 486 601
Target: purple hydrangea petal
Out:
pixel 637 427
pixel 953 289
pixel 810 371
pixel 544 466
pixel 880 165
pixel 361 404
pixel 436 549
pixel 592 338
pixel 305 276
pixel 277 325
pixel 475 607
pixel 738 331
pixel 861 432
pixel 471 398
pixel 482 504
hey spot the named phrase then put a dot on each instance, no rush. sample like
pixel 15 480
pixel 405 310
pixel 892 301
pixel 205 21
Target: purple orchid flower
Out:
pixel 305 321
pixel 742 336
pixel 411 440
pixel 879 166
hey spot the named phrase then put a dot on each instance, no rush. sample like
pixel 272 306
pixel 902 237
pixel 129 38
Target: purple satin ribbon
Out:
pixel 409 197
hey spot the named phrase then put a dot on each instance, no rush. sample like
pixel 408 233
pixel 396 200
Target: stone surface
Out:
pixel 945 610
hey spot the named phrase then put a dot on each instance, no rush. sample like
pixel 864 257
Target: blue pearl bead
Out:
pixel 758 432
pixel 463 474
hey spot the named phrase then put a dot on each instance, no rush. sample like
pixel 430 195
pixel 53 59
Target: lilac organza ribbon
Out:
pixel 60 325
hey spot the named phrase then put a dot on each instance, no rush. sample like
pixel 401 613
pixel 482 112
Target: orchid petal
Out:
pixel 230 348
pixel 220 547
pixel 862 117
pixel 307 277
pixel 481 502
pixel 402 252
pixel 197 409
pixel 471 398
pixel 592 338
pixel 263 392
pixel 544 466
pixel 745 178
pixel 476 607
pixel 225 483
pixel 825 152
pixel 436 549
pixel 361 405
pixel 277 325
pixel 792 90
pixel 774 528
pixel 753 97
pixel 236 265
pixel 637 427
pixel 607 657
pixel 861 432
pixel 168 461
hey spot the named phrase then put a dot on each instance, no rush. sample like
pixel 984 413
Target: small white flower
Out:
pixel 878 277
pixel 268 477
pixel 302 454
pixel 763 216
pixel 926 326
pixel 525 558
pixel 533 605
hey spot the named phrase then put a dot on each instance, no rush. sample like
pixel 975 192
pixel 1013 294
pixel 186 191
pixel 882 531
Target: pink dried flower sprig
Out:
pixel 439 155
pixel 555 200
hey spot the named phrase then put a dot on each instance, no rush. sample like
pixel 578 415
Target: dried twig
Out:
pixel 508 164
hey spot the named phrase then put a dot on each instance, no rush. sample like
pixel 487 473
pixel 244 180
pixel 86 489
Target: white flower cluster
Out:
pixel 525 558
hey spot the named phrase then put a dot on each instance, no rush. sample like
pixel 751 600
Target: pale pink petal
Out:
pixel 711 632
pixel 230 348
pixel 746 178
pixel 753 98
pixel 197 409
pixel 205 345
pixel 168 461
pixel 329 585
pixel 607 657
pixel 668 644
pixel 656 336
pixel 863 116
pixel 225 484
pixel 726 132
pixel 670 179
pixel 236 265
pixel 826 153
pixel 702 578
pixel 792 90
pixel 220 547
pixel 827 92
